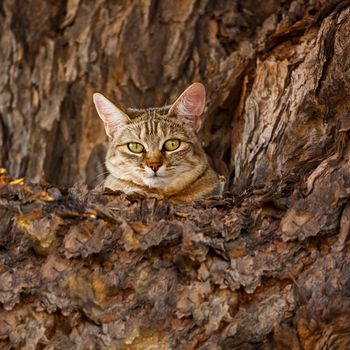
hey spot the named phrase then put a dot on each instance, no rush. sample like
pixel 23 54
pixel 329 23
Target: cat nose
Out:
pixel 154 166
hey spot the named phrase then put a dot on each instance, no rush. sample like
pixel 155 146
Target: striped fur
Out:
pixel 184 174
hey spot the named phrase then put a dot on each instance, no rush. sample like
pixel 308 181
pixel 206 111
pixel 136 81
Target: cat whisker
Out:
pixel 100 182
pixel 184 174
pixel 102 174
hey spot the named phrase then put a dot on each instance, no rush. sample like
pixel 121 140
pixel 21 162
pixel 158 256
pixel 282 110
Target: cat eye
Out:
pixel 135 147
pixel 171 145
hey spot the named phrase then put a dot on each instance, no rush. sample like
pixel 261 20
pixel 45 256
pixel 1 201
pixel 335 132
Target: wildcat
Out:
pixel 156 151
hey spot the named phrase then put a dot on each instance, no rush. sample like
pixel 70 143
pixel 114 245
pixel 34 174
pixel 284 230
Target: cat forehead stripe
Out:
pixel 136 112
pixel 182 174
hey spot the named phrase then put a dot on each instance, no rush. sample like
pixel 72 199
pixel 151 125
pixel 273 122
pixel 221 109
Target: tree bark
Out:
pixel 264 267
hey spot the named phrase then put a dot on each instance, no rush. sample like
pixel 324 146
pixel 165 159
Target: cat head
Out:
pixel 156 148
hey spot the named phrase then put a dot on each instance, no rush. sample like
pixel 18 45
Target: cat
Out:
pixel 156 151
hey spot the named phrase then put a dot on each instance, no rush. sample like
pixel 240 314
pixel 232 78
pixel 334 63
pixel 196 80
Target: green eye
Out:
pixel 171 145
pixel 135 147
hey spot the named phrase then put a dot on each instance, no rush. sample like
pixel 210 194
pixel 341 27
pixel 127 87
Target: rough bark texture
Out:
pixel 87 270
pixel 265 267
pixel 268 67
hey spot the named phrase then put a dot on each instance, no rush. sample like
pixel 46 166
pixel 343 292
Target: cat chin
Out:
pixel 155 181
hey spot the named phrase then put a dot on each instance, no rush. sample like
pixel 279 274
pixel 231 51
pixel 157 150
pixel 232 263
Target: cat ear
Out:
pixel 190 106
pixel 112 116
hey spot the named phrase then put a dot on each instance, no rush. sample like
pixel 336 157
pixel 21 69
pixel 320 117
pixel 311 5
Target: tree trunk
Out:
pixel 265 267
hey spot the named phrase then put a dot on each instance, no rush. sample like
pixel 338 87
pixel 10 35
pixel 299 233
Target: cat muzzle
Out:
pixel 155 166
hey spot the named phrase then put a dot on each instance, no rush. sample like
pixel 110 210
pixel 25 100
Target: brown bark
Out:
pixel 266 267
pixel 56 54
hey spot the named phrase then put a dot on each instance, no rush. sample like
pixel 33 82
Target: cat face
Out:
pixel 153 151
pixel 155 148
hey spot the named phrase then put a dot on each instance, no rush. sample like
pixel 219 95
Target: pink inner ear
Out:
pixel 190 105
pixel 192 101
pixel 104 108
pixel 111 115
